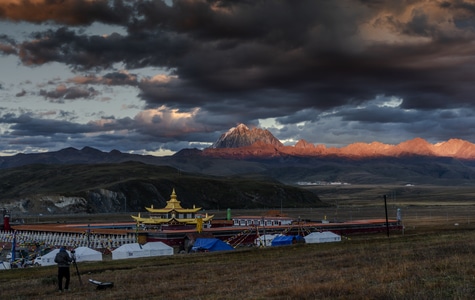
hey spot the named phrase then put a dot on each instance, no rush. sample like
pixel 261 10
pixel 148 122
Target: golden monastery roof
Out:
pixel 157 221
pixel 169 214
pixel 173 205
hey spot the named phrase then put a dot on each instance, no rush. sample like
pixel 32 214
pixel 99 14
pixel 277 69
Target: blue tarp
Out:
pixel 281 240
pixel 210 244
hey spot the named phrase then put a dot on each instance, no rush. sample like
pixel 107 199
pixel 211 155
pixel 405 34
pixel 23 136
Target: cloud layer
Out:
pixel 331 72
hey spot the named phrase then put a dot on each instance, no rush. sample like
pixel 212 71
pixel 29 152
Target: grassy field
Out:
pixel 430 264
pixel 433 258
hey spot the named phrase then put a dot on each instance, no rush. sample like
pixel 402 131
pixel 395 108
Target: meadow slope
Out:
pixel 423 263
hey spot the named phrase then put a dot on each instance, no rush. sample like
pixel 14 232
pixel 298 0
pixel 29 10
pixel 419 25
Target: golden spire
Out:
pixel 173 202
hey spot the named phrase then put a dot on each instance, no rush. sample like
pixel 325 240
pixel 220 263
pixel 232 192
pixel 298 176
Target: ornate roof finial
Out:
pixel 173 202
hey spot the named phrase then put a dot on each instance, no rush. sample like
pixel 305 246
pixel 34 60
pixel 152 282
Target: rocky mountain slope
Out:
pixel 242 136
pixel 131 186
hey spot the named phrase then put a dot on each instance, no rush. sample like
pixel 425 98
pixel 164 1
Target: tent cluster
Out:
pixel 135 250
pixel 132 250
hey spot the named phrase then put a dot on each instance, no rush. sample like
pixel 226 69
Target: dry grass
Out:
pixel 431 264
pixel 432 259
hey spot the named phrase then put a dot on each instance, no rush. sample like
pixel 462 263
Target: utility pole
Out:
pixel 386 209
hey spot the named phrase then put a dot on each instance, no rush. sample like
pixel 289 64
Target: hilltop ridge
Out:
pixel 242 142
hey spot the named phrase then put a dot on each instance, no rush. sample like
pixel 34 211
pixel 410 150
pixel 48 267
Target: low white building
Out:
pixel 261 221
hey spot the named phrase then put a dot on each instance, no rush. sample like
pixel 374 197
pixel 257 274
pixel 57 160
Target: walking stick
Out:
pixel 76 265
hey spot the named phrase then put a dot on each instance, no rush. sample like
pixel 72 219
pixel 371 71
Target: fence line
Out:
pixel 74 240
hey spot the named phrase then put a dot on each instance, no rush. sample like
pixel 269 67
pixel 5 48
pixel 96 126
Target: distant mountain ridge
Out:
pixel 241 142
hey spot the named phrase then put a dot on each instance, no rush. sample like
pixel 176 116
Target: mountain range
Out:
pixel 256 151
pixel 243 168
pixel 250 144
pixel 243 142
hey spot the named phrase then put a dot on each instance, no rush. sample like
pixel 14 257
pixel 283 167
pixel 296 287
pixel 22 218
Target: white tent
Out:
pixel 158 248
pixel 4 265
pixel 130 251
pixel 136 250
pixel 48 259
pixel 87 254
pixel 322 237
pixel 265 240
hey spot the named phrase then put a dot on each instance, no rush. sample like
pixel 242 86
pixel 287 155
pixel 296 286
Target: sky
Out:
pixel 154 77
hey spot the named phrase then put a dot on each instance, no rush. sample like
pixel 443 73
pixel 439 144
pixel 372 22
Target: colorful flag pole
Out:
pixel 199 224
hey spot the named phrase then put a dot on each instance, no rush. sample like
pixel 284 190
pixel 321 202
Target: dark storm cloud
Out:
pixel 118 78
pixel 374 114
pixel 7 45
pixel 114 78
pixel 28 124
pixel 71 12
pixel 221 50
pixel 87 52
pixel 240 61
pixel 69 93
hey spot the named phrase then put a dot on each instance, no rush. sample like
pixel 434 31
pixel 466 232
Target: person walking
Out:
pixel 64 261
